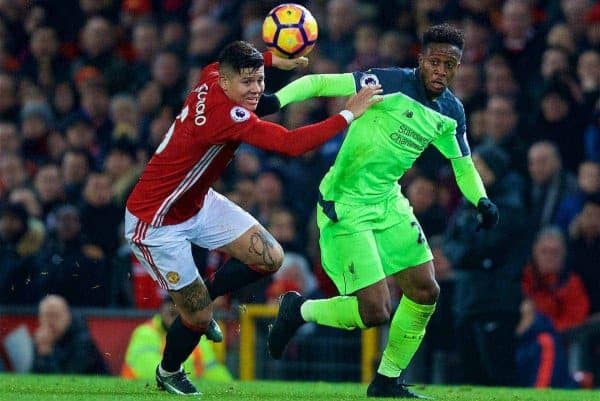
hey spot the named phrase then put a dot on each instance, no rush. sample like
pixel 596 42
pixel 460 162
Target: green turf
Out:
pixel 76 388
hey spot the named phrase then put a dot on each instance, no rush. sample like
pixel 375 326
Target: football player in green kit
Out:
pixel 367 228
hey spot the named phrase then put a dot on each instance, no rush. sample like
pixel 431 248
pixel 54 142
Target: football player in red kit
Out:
pixel 173 205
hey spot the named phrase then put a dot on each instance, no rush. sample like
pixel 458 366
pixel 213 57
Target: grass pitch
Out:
pixel 86 388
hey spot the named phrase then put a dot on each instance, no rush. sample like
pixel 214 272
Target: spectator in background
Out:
pixel 561 36
pixel 63 102
pixel 26 196
pixel 477 38
pixel 124 114
pixel 206 38
pixel 75 166
pixel 36 121
pixel 366 39
pixel 560 112
pixel 49 187
pixel 467 87
pixel 100 218
pixel 80 135
pixel 548 185
pixel 146 44
pixel 9 107
pixel 337 38
pixel 95 104
pixel 301 178
pixel 588 182
pixel 63 344
pixel 12 173
pixel 67 266
pixel 502 130
pixel 488 266
pixel 120 166
pixel 555 62
pixel 519 42
pixel 574 13
pixel 147 342
pixel 97 41
pixel 592 30
pixel 10 139
pixel 269 194
pixel 541 359
pixel 584 246
pixel 247 163
pixel 588 73
pixel 167 72
pixel 44 64
pixel 557 292
pixel 394 49
pixel 500 80
pixel 173 36
pixel 423 195
pixel 20 238
pixel 149 100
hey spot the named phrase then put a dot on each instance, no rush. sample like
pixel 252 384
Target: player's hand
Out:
pixel 289 63
pixel 487 214
pixel 365 98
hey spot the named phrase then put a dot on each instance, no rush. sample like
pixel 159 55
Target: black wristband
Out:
pixel 268 104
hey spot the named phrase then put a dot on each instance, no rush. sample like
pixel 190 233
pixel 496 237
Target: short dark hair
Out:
pixel 240 55
pixel 444 33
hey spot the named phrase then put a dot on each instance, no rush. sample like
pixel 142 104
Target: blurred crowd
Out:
pixel 88 89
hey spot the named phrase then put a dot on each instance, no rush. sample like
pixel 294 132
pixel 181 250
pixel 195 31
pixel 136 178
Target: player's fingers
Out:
pixel 369 91
pixel 302 61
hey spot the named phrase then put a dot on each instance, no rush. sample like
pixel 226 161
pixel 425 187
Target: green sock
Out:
pixel 340 312
pixel 406 333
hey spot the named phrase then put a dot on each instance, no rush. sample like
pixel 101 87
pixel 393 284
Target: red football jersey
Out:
pixel 201 142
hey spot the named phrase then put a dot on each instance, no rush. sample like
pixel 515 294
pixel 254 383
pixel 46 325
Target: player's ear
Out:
pixel 224 82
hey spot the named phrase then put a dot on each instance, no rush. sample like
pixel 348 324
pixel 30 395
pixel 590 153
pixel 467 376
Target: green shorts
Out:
pixel 368 243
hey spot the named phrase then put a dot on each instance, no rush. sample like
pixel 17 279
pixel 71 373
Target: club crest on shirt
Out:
pixel 239 114
pixel 368 79
pixel 173 277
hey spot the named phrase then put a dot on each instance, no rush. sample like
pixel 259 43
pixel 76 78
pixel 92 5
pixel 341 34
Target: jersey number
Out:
pixel 182 116
pixel 421 237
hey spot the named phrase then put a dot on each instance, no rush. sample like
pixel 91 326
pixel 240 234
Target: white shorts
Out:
pixel 166 251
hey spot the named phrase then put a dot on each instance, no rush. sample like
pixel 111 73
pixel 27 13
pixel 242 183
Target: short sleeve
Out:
pixel 390 79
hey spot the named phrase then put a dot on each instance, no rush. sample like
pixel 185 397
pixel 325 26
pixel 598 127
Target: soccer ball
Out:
pixel 290 31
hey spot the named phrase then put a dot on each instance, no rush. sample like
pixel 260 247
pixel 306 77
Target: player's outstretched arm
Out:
pixel 315 85
pixel 275 138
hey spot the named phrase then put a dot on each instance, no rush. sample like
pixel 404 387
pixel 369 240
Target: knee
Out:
pixel 375 313
pixel 199 320
pixel 278 256
pixel 273 259
pixel 426 294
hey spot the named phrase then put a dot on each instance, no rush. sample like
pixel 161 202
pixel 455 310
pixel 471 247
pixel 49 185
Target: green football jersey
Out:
pixel 387 139
pixel 381 145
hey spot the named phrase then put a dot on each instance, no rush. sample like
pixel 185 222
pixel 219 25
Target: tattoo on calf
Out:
pixel 262 244
pixel 195 297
